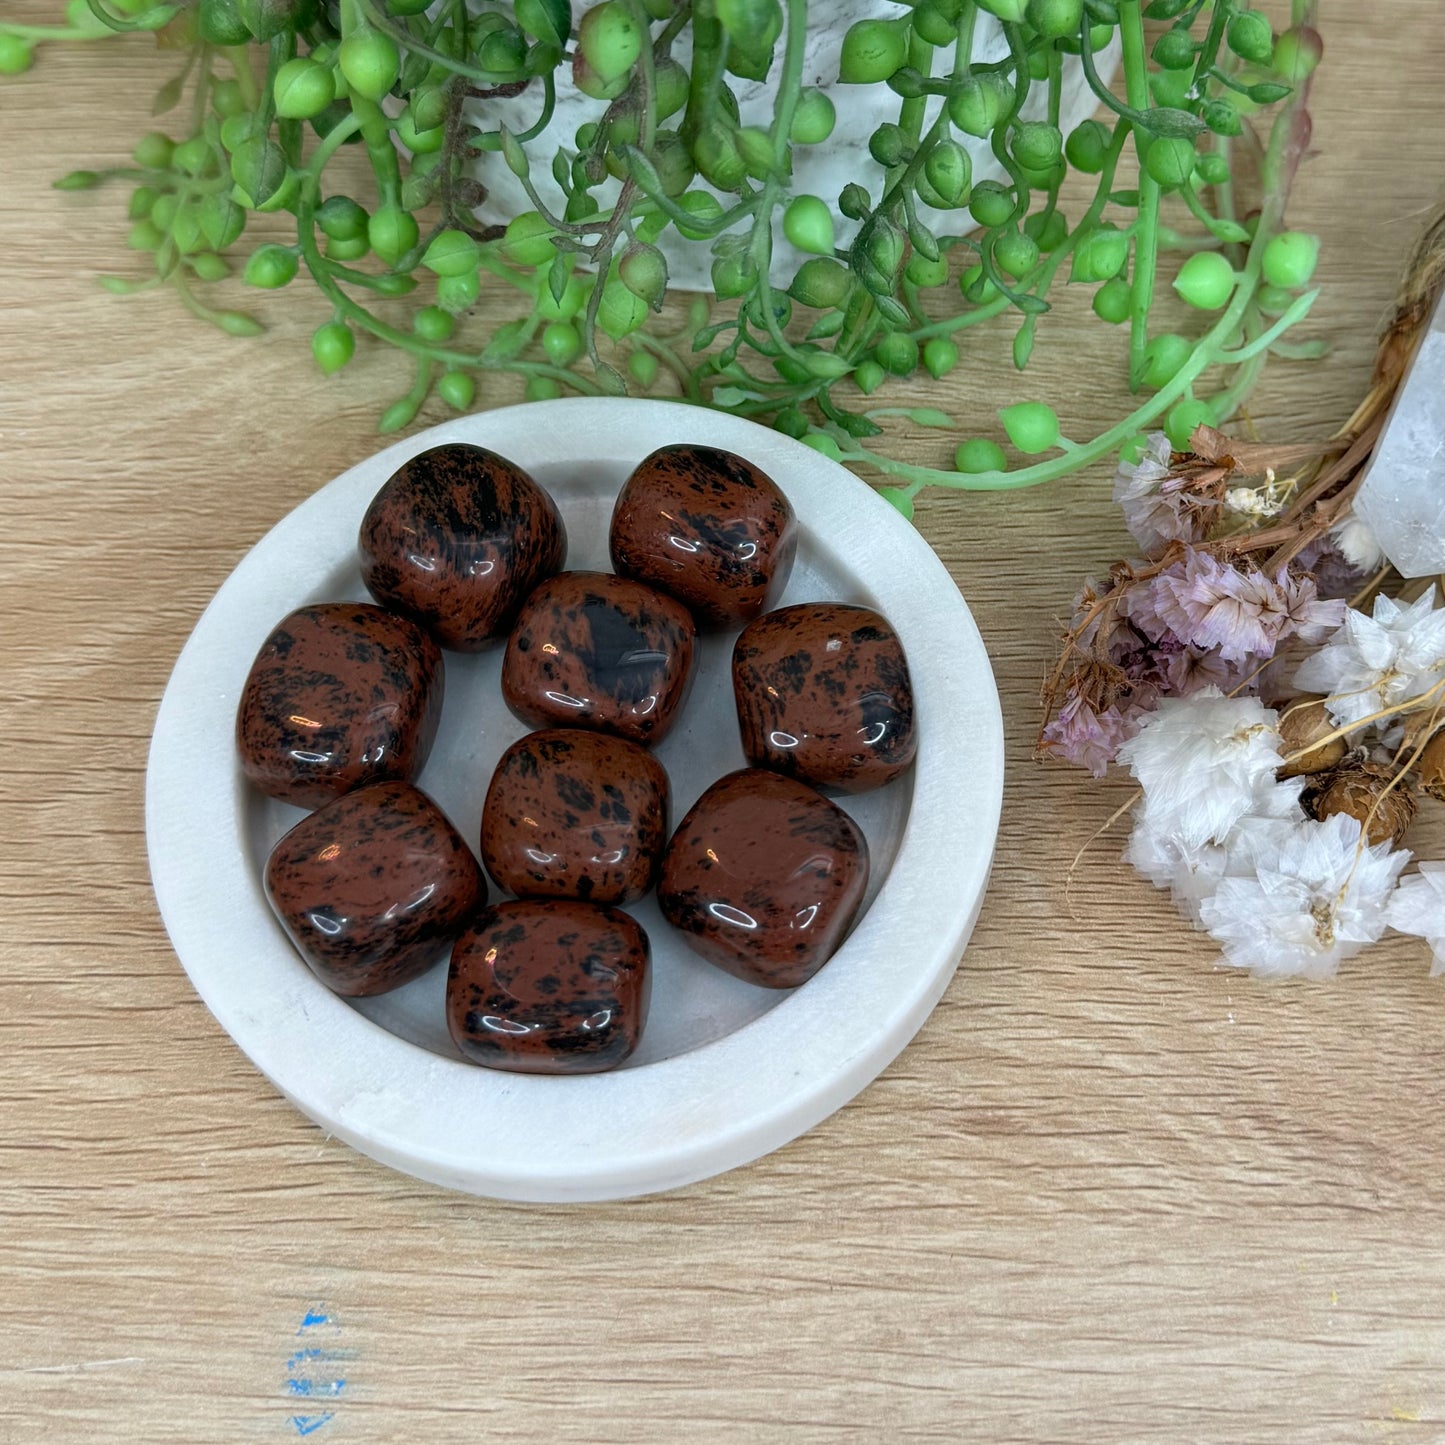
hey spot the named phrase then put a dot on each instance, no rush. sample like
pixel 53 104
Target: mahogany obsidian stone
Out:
pixel 456 539
pixel 709 528
pixel 590 650
pixel 823 694
pixel 340 694
pixel 549 987
pixel 373 887
pixel 763 877
pixel 572 814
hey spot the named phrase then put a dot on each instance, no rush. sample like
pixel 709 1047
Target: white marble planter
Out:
pixel 821 170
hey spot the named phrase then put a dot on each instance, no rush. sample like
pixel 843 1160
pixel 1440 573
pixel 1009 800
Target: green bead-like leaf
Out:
pixel 451 253
pixel 872 51
pixel 514 155
pixel 401 413
pixel 237 323
pixel 1221 117
pixel 1166 120
pixel 643 271
pixel 548 20
pixel 1267 92
pixel 259 168
pixel 979 454
pixel 949 171
pixel 222 221
pixel 940 356
pixel 1011 11
pixel 611 380
pixel 899 500
pixel 890 310
pixel 752 26
pixel 821 283
pixel 557 276
pixel 828 365
pixel 1023 346
pixel 507 340
pixel 924 241
pixel 1032 426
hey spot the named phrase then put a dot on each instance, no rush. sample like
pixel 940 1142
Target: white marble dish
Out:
pixel 726 1071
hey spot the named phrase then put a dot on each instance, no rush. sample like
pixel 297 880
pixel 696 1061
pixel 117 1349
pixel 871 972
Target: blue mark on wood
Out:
pixel 311 1388
pixel 311 1370
pixel 309 1424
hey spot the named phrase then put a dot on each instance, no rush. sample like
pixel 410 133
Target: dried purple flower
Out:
pixel 1335 575
pixel 1188 669
pixel 1096 622
pixel 1157 507
pixel 1213 605
pixel 1079 734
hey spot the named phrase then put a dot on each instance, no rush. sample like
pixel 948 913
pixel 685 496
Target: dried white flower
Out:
pixel 1190 874
pixel 1312 898
pixel 1279 802
pixel 1204 762
pixel 1245 502
pixel 1193 874
pixel 1377 662
pixel 1358 544
pixel 1258 502
pixel 1419 907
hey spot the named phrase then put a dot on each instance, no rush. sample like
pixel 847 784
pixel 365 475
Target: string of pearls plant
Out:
pixel 276 88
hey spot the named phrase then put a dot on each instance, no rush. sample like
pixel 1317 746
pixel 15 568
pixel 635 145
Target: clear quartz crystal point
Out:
pixel 1402 499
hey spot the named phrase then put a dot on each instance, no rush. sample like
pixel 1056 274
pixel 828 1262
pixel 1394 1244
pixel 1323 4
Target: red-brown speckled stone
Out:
pixel 763 877
pixel 708 527
pixel 572 814
pixel 591 650
pixel 823 694
pixel 549 988
pixel 373 887
pixel 456 539
pixel 340 694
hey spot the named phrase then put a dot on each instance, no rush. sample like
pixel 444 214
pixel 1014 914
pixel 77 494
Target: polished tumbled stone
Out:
pixel 591 650
pixel 573 814
pixel 763 877
pixel 549 987
pixel 456 539
pixel 708 527
pixel 823 694
pixel 374 887
pixel 340 694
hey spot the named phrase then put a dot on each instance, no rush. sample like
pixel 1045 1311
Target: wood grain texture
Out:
pixel 1111 1193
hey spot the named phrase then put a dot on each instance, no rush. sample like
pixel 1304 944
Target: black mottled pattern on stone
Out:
pixel 341 694
pixel 573 814
pixel 823 694
pixel 764 877
pixel 549 987
pixel 373 887
pixel 591 650
pixel 457 538
pixel 708 527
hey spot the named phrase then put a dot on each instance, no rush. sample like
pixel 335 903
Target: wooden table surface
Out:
pixel 1112 1192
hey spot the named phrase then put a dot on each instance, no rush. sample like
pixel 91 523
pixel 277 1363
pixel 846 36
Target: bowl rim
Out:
pixel 657 1125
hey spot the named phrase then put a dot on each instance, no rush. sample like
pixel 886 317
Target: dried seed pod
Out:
pixel 1360 791
pixel 1301 725
pixel 1430 767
